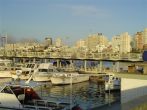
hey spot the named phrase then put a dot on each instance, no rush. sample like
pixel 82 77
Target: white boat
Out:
pixel 24 97
pixel 112 82
pixel 62 78
pixel 26 71
pixel 5 68
pixel 5 74
pixel 44 72
pixel 5 64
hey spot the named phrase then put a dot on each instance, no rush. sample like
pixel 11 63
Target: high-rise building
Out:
pixel 80 43
pixel 3 40
pixel 48 41
pixel 145 36
pixel 116 43
pixel 139 40
pixel 58 42
pixel 125 43
pixel 96 39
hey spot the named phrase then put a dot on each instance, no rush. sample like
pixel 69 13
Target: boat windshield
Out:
pixel 2 64
pixel 18 90
pixel 25 72
pixel 7 90
pixel 30 65
pixel 43 70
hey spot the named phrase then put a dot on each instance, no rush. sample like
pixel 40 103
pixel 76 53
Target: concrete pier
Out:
pixel 133 92
pixel 145 69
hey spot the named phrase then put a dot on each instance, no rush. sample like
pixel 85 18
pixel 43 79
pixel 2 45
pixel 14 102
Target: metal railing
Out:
pixel 78 55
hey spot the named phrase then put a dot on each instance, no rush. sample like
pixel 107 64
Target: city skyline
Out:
pixel 73 19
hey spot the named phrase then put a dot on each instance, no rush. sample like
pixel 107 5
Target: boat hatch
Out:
pixel 25 72
pixel 50 70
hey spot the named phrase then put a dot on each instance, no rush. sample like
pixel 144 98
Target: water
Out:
pixel 87 95
pixel 141 107
pixel 78 64
pixel 4 80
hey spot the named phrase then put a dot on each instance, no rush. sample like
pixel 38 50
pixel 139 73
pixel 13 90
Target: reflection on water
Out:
pixel 87 94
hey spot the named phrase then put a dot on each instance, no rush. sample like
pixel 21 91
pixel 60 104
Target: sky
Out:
pixel 71 20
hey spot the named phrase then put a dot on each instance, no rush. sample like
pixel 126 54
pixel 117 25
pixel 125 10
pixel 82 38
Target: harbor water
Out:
pixel 87 95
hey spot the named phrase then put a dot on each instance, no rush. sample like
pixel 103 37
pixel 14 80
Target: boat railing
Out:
pixel 37 104
pixel 45 104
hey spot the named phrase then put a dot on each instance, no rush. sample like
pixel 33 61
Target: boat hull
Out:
pixel 111 87
pixel 41 78
pixel 5 74
pixel 68 80
pixel 10 101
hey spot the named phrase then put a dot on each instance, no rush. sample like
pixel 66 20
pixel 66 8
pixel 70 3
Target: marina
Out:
pixel 89 84
pixel 73 55
pixel 71 90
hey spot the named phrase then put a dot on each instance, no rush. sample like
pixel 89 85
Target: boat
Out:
pixel 44 72
pixel 5 64
pixel 24 97
pixel 5 74
pixel 62 78
pixel 5 68
pixel 112 83
pixel 25 72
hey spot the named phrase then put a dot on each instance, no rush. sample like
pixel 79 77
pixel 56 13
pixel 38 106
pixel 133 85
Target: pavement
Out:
pixel 132 75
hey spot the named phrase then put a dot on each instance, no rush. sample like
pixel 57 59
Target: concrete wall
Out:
pixel 132 90
pixel 145 69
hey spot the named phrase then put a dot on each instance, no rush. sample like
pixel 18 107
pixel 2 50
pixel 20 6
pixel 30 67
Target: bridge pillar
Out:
pixel 58 64
pixel 101 66
pixel 71 64
pixel 113 67
pixel 29 60
pixel 23 60
pixel 45 60
pixel 85 65
pixel 117 67
pixel 13 60
pixel 34 60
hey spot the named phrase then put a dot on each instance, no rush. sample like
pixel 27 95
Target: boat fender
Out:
pixel 18 72
pixel 66 75
pixel 28 89
pixel 21 97
pixel 13 72
pixel 69 75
